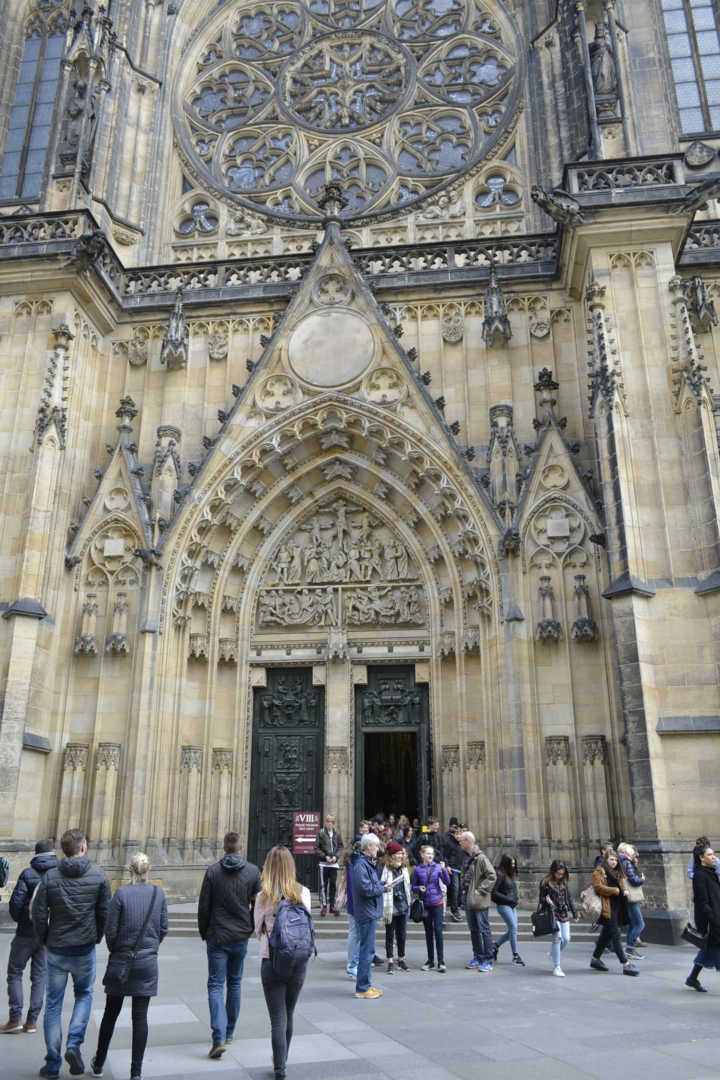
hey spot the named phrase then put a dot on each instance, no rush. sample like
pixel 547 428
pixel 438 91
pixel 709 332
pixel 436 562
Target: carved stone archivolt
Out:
pixel 341 566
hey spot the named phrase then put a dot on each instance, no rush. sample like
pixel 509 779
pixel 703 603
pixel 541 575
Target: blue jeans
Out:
pixel 637 924
pixel 560 941
pixel 225 963
pixel 509 917
pixel 366 952
pixel 478 922
pixel 82 970
pixel 353 944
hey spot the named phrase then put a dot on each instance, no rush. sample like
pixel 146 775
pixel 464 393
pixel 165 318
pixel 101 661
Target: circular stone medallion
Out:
pixel 330 348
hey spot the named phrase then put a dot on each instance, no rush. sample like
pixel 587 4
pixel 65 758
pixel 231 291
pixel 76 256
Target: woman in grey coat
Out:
pixel 127 975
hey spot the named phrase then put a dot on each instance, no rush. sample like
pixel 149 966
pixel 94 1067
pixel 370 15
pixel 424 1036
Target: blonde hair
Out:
pixel 278 878
pixel 626 849
pixel 139 867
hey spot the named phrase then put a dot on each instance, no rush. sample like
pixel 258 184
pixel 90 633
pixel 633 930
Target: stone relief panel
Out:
pixel 342 566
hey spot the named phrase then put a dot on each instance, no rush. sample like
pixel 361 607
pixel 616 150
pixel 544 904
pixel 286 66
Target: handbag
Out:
pixel 693 935
pixel 119 972
pixel 590 904
pixel 543 921
pixel 417 910
pixel 634 893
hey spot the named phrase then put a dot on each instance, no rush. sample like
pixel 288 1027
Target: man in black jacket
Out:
pixel 328 848
pixel 225 922
pixel 68 916
pixel 454 857
pixel 25 946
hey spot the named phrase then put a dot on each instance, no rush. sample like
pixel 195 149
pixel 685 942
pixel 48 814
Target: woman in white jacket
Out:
pixel 396 904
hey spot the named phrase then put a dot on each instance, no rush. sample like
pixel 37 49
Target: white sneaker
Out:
pixel 559 972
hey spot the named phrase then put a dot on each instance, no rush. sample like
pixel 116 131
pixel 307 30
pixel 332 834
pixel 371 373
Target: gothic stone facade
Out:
pixel 347 334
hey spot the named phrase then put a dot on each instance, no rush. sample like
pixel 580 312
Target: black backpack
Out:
pixel 292 941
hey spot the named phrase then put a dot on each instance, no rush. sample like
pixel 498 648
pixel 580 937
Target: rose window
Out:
pixel 392 99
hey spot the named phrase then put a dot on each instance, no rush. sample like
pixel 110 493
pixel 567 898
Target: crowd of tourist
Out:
pixel 391 872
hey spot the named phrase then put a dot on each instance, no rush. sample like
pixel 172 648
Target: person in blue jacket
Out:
pixel 25 946
pixel 367 893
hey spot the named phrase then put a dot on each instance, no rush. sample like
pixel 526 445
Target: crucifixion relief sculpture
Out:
pixel 341 545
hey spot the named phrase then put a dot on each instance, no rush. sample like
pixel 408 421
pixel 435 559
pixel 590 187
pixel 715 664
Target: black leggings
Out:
pixel 396 929
pixel 281 998
pixel 113 1005
pixel 433 919
pixel 610 935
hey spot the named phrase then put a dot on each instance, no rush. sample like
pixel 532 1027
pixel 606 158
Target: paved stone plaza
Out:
pixel 511 1025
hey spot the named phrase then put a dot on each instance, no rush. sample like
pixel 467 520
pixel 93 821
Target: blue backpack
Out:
pixel 292 941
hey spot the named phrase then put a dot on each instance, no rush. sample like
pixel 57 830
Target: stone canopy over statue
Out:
pixel 341 545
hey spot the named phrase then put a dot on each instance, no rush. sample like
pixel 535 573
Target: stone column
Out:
pixel 191 762
pixel 72 790
pixel 27 610
pixel 557 760
pixel 338 796
pixel 222 771
pixel 477 786
pixel 595 790
pixel 450 778
pixel 107 764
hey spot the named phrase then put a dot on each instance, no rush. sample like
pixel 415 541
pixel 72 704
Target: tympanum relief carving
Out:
pixel 342 566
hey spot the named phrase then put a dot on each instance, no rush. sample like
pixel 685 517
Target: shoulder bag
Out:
pixel 119 972
pixel 693 935
pixel 590 904
pixel 543 921
pixel 634 893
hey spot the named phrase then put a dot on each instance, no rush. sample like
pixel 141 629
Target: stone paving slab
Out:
pixel 516 1024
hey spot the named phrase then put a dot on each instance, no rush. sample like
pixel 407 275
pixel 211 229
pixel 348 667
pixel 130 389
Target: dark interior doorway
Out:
pixel 391 785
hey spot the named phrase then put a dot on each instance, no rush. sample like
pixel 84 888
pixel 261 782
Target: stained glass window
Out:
pixel 692 33
pixel 29 130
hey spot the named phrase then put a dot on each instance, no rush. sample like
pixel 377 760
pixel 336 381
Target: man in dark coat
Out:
pixel 68 916
pixel 225 922
pixel 24 946
pixel 454 857
pixel 367 893
pixel 328 848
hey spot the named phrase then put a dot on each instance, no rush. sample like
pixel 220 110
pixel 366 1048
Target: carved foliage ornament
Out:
pixel 390 100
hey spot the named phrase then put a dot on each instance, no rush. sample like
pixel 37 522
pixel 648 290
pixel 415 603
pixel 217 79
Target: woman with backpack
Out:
pixel 555 893
pixel 137 921
pixel 281 989
pixel 427 879
pixel 505 897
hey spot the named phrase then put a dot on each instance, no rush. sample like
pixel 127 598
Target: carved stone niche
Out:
pixel 557 750
pixel 450 757
pixel 475 754
pixel 336 759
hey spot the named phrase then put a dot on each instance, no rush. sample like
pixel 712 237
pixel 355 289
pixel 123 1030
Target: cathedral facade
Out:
pixel 359 405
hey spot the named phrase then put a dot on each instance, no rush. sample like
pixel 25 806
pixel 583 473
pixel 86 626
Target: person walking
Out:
pixel 505 897
pixel 635 880
pixel 328 848
pixel 555 892
pixel 611 886
pixel 350 856
pixel 453 857
pixel 396 903
pixel 228 891
pixel 426 882
pixel 478 879
pixel 137 923
pixel 25 947
pixel 702 841
pixel 367 892
pixel 68 916
pixel 706 899
pixel 281 991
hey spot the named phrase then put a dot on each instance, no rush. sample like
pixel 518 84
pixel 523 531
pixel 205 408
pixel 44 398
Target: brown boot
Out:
pixel 217 1050
pixel 11 1027
pixel 30 1027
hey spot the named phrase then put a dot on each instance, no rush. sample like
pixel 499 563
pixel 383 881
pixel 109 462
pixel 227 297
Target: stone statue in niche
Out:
pixel 602 63
pixel 79 105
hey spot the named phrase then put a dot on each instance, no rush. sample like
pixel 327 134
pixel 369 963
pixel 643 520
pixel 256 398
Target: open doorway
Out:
pixel 391 781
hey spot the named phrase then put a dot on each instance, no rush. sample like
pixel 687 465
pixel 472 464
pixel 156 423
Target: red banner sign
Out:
pixel 306 826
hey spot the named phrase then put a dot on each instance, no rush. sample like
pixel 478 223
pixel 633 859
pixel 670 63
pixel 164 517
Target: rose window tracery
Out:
pixel 394 100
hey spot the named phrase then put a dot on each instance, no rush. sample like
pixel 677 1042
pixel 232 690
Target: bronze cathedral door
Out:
pixel 287 762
